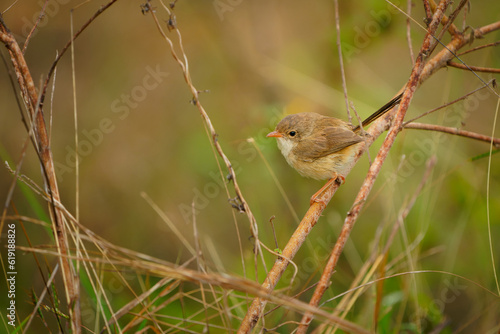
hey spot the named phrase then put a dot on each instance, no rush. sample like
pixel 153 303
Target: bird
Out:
pixel 322 147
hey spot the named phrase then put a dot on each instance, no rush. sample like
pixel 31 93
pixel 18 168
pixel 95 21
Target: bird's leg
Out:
pixel 336 178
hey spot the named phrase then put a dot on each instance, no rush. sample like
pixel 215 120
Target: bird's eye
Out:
pixel 292 133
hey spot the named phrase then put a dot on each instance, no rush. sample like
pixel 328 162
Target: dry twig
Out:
pixel 37 129
pixel 241 203
pixel 474 68
pixel 41 141
pixel 454 131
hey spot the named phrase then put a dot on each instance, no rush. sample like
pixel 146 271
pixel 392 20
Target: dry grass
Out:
pixel 108 288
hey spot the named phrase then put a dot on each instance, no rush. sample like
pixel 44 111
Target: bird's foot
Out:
pixel 315 198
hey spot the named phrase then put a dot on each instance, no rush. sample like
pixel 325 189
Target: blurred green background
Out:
pixel 258 60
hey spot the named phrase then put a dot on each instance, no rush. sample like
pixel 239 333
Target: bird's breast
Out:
pixel 286 146
pixel 322 168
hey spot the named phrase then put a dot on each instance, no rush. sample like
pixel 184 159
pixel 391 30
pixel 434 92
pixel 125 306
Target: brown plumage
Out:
pixel 321 147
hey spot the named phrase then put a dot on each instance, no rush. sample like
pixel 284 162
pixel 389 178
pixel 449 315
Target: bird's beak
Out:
pixel 274 134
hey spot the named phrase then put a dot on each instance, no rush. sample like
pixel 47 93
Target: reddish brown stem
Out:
pixel 479 48
pixel 453 131
pixel 473 68
pixel 299 236
pixel 441 59
pixel 30 96
pixel 428 11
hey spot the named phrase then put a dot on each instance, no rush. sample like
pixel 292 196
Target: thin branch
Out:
pixel 409 3
pixel 448 21
pixel 40 16
pixel 479 48
pixel 44 152
pixel 473 68
pixel 454 131
pixel 341 59
pixel 42 296
pixel 68 44
pixel 491 82
pixel 428 12
pixel 296 240
pixel 488 198
pixel 447 26
pixel 378 260
pixel 449 52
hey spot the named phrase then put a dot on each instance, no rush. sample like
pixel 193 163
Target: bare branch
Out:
pixel 473 68
pixel 448 53
pixel 454 131
pixel 479 48
pixel 409 3
pixel 491 82
pixel 44 152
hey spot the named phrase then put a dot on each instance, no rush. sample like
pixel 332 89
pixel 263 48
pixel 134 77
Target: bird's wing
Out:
pixel 330 140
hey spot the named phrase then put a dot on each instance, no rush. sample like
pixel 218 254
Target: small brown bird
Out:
pixel 322 147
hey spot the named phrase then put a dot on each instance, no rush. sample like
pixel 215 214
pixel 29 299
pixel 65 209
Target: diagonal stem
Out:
pixel 30 96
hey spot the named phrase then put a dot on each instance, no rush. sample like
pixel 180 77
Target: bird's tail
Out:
pixel 385 108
